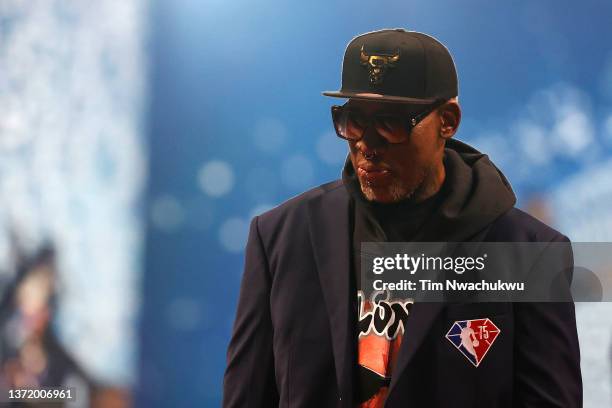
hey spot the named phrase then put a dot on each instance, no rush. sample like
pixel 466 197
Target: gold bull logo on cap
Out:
pixel 378 65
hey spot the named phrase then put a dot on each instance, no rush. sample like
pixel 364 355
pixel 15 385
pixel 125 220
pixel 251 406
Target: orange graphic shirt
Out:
pixel 381 329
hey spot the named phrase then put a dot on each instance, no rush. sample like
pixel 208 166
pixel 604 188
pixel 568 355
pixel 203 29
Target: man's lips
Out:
pixel 373 174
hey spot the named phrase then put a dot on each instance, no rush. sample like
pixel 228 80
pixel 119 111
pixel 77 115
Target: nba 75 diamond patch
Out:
pixel 473 338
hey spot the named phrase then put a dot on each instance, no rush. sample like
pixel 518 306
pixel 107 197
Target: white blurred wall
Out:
pixel 72 165
pixel 582 209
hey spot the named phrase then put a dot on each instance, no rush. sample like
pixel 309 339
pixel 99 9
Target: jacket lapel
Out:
pixel 417 327
pixel 330 235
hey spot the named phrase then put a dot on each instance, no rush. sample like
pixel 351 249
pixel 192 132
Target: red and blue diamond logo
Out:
pixel 473 338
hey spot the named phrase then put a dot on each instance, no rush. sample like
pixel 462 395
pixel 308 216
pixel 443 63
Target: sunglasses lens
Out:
pixel 392 128
pixel 349 125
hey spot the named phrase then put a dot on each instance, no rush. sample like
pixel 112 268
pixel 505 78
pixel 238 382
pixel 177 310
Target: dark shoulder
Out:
pixel 294 209
pixel 518 226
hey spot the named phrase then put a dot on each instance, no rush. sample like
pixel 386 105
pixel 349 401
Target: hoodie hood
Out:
pixel 474 194
pixel 477 193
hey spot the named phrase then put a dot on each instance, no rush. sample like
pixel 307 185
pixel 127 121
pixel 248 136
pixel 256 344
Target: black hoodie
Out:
pixel 474 194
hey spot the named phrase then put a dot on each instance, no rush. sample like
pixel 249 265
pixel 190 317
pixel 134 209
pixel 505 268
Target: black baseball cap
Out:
pixel 396 65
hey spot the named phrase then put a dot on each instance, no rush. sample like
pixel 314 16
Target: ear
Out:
pixel 450 117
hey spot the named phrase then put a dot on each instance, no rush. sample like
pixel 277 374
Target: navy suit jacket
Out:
pixel 294 342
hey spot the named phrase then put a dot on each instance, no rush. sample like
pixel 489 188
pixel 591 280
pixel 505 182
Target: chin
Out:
pixel 391 193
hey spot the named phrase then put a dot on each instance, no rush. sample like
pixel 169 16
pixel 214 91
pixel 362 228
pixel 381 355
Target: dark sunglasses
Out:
pixel 351 124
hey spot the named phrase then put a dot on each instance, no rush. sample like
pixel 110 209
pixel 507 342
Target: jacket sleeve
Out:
pixel 249 379
pixel 547 355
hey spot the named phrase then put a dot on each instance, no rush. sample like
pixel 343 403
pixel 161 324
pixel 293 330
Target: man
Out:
pixel 306 336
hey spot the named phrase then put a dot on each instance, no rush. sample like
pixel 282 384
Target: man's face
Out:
pixel 389 172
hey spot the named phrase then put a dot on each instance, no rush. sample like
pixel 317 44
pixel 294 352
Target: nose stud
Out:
pixel 369 155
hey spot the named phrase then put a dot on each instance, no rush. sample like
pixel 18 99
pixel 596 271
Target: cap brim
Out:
pixel 377 97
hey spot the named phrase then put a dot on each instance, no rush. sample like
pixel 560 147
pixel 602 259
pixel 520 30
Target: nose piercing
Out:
pixel 369 155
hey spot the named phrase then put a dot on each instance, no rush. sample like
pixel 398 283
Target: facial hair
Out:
pixel 396 189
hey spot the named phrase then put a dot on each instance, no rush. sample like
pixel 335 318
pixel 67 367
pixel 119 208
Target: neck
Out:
pixel 431 184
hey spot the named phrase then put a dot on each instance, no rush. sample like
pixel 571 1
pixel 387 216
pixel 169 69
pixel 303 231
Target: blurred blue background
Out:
pixel 145 136
pixel 238 125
